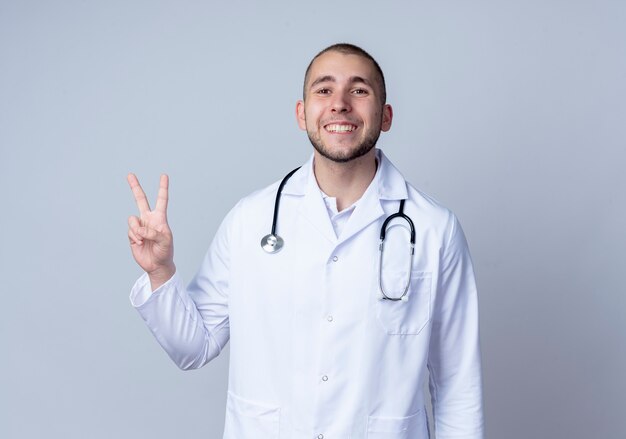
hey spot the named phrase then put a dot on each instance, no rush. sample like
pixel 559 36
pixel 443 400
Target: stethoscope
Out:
pixel 273 243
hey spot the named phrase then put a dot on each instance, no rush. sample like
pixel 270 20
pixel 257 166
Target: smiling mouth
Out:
pixel 340 128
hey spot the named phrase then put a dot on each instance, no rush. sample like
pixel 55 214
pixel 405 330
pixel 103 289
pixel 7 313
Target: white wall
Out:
pixel 510 113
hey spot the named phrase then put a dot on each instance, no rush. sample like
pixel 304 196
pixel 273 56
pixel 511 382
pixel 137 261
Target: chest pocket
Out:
pixel 406 317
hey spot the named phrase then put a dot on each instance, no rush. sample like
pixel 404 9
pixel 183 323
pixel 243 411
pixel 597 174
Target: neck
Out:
pixel 345 181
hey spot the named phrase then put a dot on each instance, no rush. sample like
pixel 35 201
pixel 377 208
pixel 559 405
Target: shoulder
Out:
pixel 427 205
pixel 437 217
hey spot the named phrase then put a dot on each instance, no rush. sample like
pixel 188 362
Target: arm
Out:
pixel 191 323
pixel 454 356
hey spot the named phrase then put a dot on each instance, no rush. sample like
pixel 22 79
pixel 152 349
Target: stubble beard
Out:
pixel 338 157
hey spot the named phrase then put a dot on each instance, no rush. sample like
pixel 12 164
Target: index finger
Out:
pixel 162 196
pixel 140 196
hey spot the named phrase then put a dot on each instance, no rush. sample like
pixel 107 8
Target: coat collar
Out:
pixel 388 184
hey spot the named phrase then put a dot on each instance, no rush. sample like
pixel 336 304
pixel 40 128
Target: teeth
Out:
pixel 340 128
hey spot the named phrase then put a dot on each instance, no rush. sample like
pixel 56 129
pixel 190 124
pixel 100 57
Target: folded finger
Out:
pixel 133 238
pixel 134 222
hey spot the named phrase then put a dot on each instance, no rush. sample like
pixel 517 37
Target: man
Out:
pixel 320 348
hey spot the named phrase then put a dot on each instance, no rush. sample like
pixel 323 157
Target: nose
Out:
pixel 340 103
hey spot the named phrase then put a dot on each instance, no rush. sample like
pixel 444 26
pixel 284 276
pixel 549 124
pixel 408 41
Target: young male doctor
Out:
pixel 320 348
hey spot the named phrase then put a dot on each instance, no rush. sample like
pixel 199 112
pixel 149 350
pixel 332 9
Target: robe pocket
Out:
pixel 409 427
pixel 248 419
pixel 399 317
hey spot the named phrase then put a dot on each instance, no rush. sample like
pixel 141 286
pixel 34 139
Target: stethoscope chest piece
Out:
pixel 272 243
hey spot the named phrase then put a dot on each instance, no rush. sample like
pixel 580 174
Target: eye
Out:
pixel 323 91
pixel 360 91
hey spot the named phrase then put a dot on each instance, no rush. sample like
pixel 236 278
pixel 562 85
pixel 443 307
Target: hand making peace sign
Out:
pixel 151 240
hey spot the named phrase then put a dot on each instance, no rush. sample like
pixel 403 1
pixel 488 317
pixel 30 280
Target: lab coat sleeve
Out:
pixel 454 355
pixel 191 323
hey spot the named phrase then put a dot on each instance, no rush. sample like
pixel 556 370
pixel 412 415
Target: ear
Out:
pixel 387 117
pixel 300 117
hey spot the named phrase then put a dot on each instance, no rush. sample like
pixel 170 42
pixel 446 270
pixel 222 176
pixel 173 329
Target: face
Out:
pixel 342 112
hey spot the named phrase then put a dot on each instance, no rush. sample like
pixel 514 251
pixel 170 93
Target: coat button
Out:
pixel 324 378
pixel 335 258
pixel 329 318
pixel 320 436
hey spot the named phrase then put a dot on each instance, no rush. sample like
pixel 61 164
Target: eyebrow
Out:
pixel 330 78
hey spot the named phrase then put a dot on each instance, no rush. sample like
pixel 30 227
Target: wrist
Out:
pixel 161 275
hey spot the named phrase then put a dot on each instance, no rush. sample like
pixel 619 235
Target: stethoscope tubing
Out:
pixel 273 243
pixel 277 202
pixel 399 214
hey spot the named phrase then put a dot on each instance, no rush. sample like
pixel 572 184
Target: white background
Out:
pixel 511 113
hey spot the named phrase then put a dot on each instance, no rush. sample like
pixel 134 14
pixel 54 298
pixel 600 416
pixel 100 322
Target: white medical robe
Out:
pixel 314 351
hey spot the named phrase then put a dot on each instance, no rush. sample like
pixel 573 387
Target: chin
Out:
pixel 343 155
